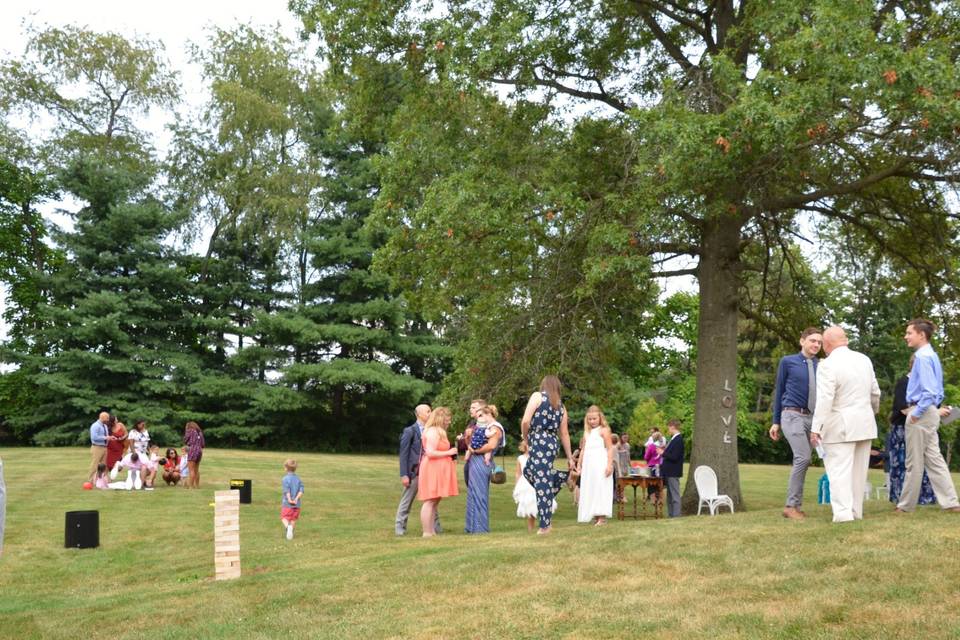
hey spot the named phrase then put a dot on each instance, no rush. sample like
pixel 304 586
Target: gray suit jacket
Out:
pixel 410 450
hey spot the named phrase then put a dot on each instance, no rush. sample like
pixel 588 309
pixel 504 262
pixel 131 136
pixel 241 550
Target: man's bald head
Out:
pixel 104 417
pixel 422 412
pixel 834 337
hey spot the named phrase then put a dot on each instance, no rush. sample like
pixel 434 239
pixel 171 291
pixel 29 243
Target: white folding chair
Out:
pixel 706 480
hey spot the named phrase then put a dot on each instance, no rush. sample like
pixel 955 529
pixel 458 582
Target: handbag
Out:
pixel 499 474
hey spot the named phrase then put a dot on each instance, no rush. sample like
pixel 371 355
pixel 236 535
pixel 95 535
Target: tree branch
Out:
pixel 797 201
pixel 665 41
pixel 586 95
pixel 699 29
pixel 694 271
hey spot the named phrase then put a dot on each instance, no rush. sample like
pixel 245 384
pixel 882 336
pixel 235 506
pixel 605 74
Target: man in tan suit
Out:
pixel 848 397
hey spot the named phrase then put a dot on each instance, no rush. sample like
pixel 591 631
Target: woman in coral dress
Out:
pixel 116 447
pixel 438 474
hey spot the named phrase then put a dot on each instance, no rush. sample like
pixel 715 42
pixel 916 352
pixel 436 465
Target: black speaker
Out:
pixel 82 530
pixel 245 487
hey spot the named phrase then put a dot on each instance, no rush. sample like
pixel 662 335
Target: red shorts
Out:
pixel 290 513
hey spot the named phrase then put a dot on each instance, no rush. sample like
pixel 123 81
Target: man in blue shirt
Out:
pixel 99 434
pixel 924 395
pixel 794 399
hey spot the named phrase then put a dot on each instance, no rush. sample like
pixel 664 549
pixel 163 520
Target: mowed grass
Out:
pixel 345 575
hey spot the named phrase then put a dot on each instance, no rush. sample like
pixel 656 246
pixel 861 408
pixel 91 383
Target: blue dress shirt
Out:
pixel 925 385
pixel 792 385
pixel 98 434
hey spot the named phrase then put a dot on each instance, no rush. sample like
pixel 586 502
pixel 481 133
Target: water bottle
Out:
pixel 823 490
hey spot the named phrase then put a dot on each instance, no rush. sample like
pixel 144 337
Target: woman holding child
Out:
pixel 487 437
pixel 437 473
pixel 543 419
pixel 171 467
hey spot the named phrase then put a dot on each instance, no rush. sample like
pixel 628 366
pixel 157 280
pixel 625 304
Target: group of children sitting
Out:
pixel 142 468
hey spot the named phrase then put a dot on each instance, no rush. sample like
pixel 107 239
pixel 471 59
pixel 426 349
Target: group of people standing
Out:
pixel 428 461
pixel 829 406
pixel 113 448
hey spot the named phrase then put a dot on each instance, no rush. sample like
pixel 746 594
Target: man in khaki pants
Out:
pixel 924 394
pixel 99 434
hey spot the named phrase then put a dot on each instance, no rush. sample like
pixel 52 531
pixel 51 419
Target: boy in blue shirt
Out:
pixel 292 492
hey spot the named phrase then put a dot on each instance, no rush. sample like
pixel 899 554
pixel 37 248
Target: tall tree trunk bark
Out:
pixel 715 421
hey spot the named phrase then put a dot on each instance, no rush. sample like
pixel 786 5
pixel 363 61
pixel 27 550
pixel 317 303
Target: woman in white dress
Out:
pixel 524 494
pixel 596 469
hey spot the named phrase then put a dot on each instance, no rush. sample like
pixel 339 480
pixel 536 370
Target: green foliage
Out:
pixel 646 415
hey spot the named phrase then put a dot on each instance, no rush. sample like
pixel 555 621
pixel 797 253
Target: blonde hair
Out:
pixel 603 419
pixel 290 465
pixel 551 386
pixel 436 417
pixel 491 409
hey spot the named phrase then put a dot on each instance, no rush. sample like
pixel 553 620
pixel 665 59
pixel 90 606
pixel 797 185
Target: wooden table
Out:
pixel 642 482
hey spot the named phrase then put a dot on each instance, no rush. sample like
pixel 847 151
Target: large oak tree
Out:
pixel 711 127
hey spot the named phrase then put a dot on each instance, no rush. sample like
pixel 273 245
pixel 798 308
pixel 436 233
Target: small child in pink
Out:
pixel 102 480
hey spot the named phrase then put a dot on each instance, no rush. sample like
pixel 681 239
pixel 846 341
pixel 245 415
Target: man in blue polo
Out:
pixel 924 395
pixel 99 434
pixel 794 399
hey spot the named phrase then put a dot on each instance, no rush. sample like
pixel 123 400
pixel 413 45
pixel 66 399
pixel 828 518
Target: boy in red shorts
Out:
pixel 292 492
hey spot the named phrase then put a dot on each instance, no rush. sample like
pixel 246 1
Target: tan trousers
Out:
pixel 923 452
pixel 98 455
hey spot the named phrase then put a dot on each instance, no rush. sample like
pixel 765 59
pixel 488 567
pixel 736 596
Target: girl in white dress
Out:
pixel 596 469
pixel 524 494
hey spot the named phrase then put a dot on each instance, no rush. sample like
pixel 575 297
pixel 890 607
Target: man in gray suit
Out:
pixel 411 444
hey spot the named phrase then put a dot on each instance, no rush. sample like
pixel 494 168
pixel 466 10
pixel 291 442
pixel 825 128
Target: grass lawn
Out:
pixel 345 575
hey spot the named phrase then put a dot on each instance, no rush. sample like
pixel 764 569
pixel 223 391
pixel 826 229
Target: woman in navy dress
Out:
pixel 543 419
pixel 487 437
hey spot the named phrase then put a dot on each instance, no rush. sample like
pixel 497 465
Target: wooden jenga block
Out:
pixel 226 535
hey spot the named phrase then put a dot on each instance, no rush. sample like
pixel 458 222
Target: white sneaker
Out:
pixel 289 532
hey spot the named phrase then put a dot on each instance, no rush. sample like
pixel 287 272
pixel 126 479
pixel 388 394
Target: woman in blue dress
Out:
pixel 487 437
pixel 897 448
pixel 543 419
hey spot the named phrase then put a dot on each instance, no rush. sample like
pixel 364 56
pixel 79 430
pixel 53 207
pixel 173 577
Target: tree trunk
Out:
pixel 715 421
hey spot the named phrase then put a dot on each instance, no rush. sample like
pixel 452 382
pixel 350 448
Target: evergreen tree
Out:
pixel 351 345
pixel 114 315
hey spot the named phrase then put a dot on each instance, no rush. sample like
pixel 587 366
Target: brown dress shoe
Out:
pixel 793 513
pixel 953 509
pixel 899 511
